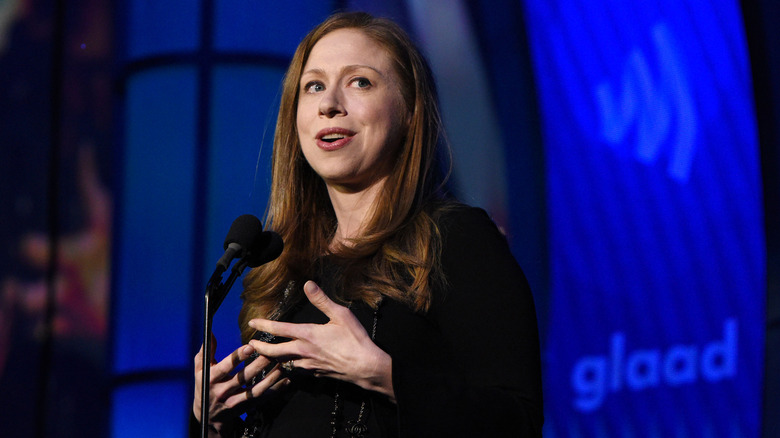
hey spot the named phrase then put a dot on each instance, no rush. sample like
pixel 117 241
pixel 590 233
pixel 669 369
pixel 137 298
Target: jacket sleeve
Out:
pixel 482 375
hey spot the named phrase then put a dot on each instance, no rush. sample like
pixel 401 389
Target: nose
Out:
pixel 331 103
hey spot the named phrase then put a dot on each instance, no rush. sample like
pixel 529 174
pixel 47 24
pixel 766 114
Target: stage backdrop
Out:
pixel 641 192
pixel 55 217
pixel 655 218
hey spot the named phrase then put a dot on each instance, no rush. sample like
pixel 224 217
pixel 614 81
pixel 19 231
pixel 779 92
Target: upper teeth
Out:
pixel 333 136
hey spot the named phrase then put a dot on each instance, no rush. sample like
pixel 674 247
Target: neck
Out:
pixel 353 209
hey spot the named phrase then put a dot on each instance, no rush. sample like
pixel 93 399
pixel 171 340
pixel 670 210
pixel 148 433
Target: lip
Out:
pixel 338 144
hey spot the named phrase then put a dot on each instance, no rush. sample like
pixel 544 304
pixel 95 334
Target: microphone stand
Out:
pixel 216 291
pixel 212 286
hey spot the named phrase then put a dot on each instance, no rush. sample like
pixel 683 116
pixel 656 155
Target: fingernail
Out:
pixel 251 323
pixel 310 287
pixel 249 349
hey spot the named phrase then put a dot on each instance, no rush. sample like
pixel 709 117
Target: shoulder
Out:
pixel 482 278
pixel 465 224
pixel 472 245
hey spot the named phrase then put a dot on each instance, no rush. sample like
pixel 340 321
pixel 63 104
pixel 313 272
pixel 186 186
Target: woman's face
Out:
pixel 351 116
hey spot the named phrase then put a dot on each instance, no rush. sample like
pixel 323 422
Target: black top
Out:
pixel 468 367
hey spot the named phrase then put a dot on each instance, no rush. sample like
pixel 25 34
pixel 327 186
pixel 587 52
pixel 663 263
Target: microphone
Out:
pixel 247 241
pixel 244 234
pixel 252 246
pixel 268 248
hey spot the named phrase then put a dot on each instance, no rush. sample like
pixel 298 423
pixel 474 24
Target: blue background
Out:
pixel 655 217
pixel 615 142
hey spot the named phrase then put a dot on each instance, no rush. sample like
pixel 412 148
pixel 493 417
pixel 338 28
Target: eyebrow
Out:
pixel 345 69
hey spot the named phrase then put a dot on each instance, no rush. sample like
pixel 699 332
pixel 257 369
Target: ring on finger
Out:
pixel 288 366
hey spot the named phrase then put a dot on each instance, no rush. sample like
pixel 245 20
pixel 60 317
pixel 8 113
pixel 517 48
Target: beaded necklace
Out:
pixel 356 428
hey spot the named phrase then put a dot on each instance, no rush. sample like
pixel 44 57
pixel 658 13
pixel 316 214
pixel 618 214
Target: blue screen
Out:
pixel 657 251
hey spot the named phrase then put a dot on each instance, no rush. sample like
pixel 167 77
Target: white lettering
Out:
pixel 649 103
pixel 588 380
pixel 642 369
pixel 594 376
pixel 719 359
pixel 680 365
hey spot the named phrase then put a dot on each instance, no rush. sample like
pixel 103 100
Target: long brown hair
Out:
pixel 397 255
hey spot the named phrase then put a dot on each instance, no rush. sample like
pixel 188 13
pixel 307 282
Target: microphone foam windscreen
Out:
pixel 245 231
pixel 268 247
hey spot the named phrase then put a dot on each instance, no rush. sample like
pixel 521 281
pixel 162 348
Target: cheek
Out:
pixel 387 119
pixel 306 111
pixel 300 119
pixel 399 124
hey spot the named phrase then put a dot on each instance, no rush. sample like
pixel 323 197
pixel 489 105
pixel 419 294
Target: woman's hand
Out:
pixel 229 390
pixel 341 349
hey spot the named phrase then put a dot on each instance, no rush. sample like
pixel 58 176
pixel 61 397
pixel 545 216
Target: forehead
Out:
pixel 348 47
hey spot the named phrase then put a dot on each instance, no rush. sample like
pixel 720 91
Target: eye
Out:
pixel 361 82
pixel 313 87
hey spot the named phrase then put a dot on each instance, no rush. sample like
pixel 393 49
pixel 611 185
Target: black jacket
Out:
pixel 469 367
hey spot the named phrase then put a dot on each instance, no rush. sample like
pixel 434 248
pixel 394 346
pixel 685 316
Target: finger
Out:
pixel 252 370
pixel 232 393
pixel 279 385
pixel 321 301
pixel 228 364
pixel 282 329
pixel 258 363
pixel 225 387
pixel 272 380
pixel 283 351
pixel 213 358
pixel 199 360
pixel 199 355
pixel 313 366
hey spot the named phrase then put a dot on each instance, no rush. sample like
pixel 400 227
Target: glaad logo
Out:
pixel 650 103
pixel 594 376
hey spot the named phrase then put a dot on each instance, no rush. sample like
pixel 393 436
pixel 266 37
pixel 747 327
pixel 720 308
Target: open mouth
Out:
pixel 330 138
pixel 333 138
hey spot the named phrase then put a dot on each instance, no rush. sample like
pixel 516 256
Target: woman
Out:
pixel 392 311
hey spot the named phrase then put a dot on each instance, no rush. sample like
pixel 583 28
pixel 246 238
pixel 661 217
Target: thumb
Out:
pixel 199 355
pixel 213 349
pixel 321 301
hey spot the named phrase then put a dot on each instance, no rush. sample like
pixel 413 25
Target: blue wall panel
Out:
pixel 155 409
pixel 272 28
pixel 161 27
pixel 153 299
pixel 244 105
